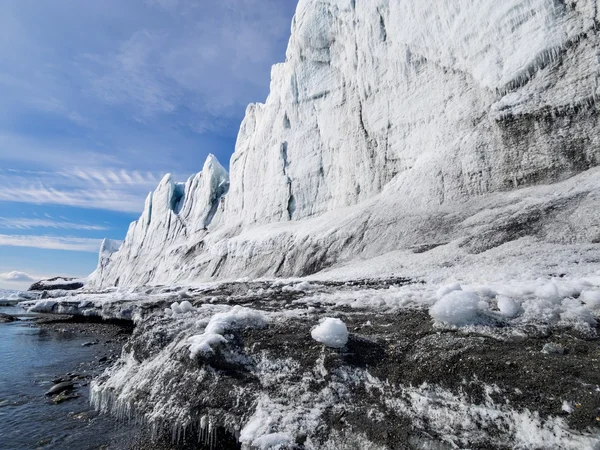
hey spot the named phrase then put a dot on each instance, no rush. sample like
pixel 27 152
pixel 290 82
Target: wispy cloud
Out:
pixel 114 190
pixel 19 223
pixel 95 199
pixel 52 242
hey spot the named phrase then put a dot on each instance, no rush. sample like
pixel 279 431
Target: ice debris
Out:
pixel 179 308
pixel 456 308
pixel 237 317
pixel 331 332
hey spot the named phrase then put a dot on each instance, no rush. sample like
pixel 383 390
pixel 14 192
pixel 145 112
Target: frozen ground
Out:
pixel 481 359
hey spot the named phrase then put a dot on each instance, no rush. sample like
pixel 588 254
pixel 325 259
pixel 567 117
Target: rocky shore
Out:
pixel 402 380
pixel 236 365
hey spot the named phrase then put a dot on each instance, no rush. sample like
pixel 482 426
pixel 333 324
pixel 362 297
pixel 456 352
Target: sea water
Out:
pixel 30 357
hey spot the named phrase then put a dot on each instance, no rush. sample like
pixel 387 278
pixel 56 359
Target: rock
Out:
pixel 5 318
pixel 60 387
pixel 103 359
pixel 553 349
pixel 88 344
pixel 63 397
pixel 57 283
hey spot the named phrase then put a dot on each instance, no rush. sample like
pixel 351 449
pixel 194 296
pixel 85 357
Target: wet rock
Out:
pixel 60 387
pixel 6 318
pixel 63 397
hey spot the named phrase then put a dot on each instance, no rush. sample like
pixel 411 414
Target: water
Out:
pixel 30 357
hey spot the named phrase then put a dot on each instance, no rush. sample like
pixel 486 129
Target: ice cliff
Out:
pixel 392 125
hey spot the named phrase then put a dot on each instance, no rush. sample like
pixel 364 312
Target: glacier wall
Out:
pixel 385 127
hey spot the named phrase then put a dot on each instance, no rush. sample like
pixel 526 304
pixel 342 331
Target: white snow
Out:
pixel 446 289
pixel 508 307
pixel 273 441
pixel 235 318
pixel 591 299
pixel 331 332
pixel 456 308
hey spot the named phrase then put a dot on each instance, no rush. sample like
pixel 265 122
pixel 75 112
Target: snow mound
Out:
pixel 273 441
pixel 179 308
pixel 331 332
pixel 303 286
pixel 456 308
pixel 237 317
pixel 508 307
pixel 591 299
pixel 444 290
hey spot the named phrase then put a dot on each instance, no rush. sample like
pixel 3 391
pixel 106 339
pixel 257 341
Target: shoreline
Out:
pixel 110 335
pixel 63 418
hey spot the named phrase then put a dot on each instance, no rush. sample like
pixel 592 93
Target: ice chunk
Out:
pixel 186 306
pixel 176 308
pixel 447 289
pixel 591 299
pixel 547 291
pixel 567 407
pixel 331 332
pixel 456 308
pixel 508 307
pixel 272 441
pixel 236 317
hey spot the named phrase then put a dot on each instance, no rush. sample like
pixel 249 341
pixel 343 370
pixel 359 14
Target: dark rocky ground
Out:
pixel 402 349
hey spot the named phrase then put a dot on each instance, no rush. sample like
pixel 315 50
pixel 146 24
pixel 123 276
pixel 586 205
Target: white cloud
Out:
pixel 18 223
pixel 93 199
pixel 92 188
pixel 16 277
pixel 51 242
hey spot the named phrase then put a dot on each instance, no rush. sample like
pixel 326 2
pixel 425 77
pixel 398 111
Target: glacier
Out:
pixel 424 175
pixel 391 125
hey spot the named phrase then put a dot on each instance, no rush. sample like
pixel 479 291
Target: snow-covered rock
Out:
pixel 393 125
pixel 58 283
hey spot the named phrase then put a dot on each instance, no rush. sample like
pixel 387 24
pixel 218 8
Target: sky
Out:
pixel 99 99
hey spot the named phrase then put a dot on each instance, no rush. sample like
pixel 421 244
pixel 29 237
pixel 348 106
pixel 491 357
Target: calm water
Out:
pixel 30 358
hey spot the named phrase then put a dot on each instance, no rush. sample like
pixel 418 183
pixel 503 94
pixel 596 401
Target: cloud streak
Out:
pixel 18 223
pixel 113 190
pixel 51 242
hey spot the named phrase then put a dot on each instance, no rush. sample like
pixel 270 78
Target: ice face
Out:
pixel 392 124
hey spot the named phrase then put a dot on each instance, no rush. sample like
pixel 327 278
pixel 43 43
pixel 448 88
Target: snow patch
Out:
pixel 456 308
pixel 508 307
pixel 237 317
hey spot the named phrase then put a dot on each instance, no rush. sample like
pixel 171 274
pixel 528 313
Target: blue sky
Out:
pixel 102 98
